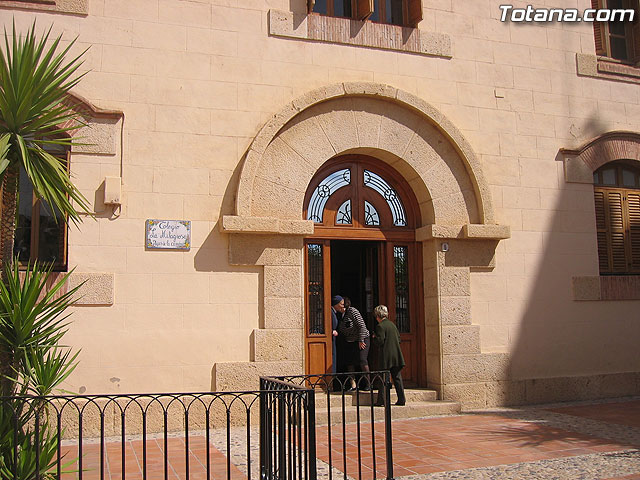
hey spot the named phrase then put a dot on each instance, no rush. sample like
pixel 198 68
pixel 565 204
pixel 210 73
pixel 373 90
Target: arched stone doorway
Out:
pixel 454 206
pixel 363 247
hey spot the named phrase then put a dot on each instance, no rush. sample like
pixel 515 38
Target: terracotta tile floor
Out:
pixel 478 440
pixel 176 461
pixel 420 446
pixel 621 413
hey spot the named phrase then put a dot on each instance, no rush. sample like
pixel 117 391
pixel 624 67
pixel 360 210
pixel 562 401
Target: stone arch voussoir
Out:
pixel 379 120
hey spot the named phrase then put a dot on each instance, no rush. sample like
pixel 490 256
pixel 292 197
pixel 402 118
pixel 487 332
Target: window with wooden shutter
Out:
pixel 407 13
pixel 414 13
pixel 617 206
pixel 598 31
pixel 619 40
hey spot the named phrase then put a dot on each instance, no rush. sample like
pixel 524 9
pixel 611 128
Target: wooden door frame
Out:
pixel 326 299
pixel 416 306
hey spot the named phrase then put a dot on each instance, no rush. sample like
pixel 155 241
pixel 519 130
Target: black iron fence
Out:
pixel 353 423
pixel 293 428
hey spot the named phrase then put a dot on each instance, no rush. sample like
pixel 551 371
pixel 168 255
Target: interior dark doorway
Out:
pixel 354 274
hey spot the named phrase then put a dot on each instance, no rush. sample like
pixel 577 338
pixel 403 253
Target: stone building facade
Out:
pixel 511 264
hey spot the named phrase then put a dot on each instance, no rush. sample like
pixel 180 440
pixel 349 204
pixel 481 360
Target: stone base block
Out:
pixel 241 376
pixel 277 345
pixel 542 390
pixel 562 389
pixel 460 339
pixel 489 367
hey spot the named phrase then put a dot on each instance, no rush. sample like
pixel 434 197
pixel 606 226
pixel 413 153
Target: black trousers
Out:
pixel 397 383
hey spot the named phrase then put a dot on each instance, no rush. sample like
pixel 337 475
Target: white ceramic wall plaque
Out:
pixel 168 234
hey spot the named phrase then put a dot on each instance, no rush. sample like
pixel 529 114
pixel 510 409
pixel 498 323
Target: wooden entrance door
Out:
pixel 360 199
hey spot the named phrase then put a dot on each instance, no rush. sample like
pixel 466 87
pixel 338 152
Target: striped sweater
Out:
pixel 352 326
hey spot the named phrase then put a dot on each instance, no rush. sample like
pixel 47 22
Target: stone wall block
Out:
pixel 306 137
pixel 283 312
pixel 479 253
pixel 455 311
pixel 561 389
pixel 240 224
pixel 586 288
pixel 272 127
pixel 282 281
pixel 475 368
pixel 461 339
pixel 296 227
pixel 98 136
pixel 452 209
pixel 97 289
pixel 368 115
pixel 420 152
pixel 287 24
pixel 366 88
pixel 576 171
pixel 419 104
pixel 587 64
pixel 338 125
pixel 269 197
pixel 277 344
pixel 504 393
pixel 434 378
pixel 240 376
pixel 433 340
pixel 282 165
pixel 481 231
pixel 319 95
pixel 455 281
pixel 470 395
pixel 397 132
pixel 433 43
pixel 265 250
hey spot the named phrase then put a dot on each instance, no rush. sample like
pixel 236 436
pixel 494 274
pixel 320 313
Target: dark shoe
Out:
pixel 401 404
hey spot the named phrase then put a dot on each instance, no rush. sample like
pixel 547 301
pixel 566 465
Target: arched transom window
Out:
pixel 359 195
pixel 617 201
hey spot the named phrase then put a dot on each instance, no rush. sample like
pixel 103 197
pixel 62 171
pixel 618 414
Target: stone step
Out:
pixel 365 397
pixel 410 410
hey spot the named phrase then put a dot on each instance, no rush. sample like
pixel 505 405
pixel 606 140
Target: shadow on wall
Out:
pixel 563 349
pixel 213 254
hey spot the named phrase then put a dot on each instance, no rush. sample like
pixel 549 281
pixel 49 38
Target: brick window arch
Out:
pixel 616 188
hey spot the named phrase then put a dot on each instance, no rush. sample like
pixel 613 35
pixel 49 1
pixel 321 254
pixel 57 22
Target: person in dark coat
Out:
pixel 337 310
pixel 337 305
pixel 387 338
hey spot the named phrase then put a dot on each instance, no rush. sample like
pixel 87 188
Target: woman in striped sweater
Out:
pixel 355 333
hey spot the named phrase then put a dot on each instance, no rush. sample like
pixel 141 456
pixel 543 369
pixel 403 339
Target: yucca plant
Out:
pixel 35 81
pixel 33 320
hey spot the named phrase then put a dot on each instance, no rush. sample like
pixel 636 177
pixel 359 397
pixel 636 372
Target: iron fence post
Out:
pixel 263 434
pixel 387 425
pixel 282 438
pixel 311 433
